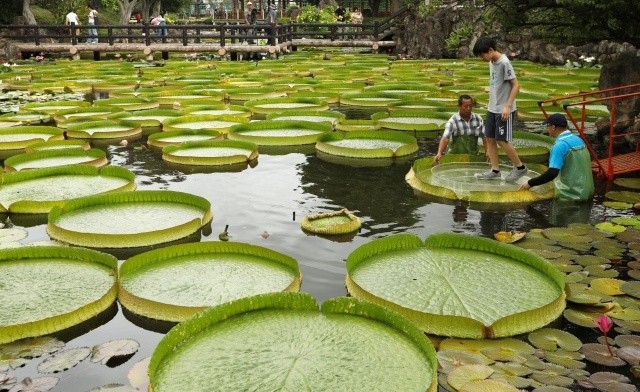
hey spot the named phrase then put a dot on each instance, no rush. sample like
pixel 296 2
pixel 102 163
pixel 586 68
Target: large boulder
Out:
pixel 624 70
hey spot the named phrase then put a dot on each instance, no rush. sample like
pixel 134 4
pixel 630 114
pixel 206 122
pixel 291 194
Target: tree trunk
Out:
pixel 126 9
pixel 26 12
pixel 149 8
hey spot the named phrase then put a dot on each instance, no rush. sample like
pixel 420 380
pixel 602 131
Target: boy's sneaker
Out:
pixel 489 175
pixel 515 174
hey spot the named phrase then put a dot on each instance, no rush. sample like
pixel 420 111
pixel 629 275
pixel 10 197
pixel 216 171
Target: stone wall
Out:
pixel 425 38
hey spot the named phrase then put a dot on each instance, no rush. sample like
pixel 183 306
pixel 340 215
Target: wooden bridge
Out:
pixel 224 38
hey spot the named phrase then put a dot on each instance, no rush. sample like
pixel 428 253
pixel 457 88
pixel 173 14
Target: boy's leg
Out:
pixel 504 135
pixel 492 149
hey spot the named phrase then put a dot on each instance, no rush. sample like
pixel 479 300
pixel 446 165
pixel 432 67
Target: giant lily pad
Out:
pixel 458 285
pixel 279 133
pixel 36 191
pixel 337 222
pixel 283 105
pixel 282 342
pixel 176 282
pixel 152 217
pixel 14 140
pixel 211 153
pixel 47 289
pixel 57 157
pixel 105 130
pixel 367 144
pixel 531 147
pixel 168 138
pixel 221 124
pixel 454 179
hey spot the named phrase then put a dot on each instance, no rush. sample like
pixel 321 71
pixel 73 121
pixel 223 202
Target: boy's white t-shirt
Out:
pixel 92 16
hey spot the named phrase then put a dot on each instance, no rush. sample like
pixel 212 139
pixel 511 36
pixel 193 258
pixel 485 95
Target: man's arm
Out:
pixel 545 177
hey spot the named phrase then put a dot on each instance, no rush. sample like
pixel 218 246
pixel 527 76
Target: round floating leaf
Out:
pixel 211 152
pixel 631 288
pixel 105 130
pixel 37 191
pixel 447 285
pixel 138 375
pixel 367 144
pixel 153 217
pixel 36 384
pixel 627 182
pixel 630 354
pixel 617 205
pixel 551 339
pixel 114 388
pixel 175 282
pixel 509 237
pixel 611 382
pixel 599 353
pixel 31 347
pixel 284 105
pixel 57 157
pixel 15 140
pixel 489 385
pixel 610 227
pixel 281 341
pixel 553 375
pixel 607 286
pixel 450 359
pixel 568 359
pixel 220 124
pixel 583 319
pixel 279 133
pixel 47 289
pixel 163 139
pixel 12 234
pixel 461 375
pixel 102 353
pixel 337 222
pixel 64 360
pixel 624 196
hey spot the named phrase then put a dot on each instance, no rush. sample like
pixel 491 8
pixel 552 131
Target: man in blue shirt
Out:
pixel 569 163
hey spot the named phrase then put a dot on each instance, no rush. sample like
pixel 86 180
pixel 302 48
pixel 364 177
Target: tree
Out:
pixel 571 21
pixel 126 9
pixel 26 12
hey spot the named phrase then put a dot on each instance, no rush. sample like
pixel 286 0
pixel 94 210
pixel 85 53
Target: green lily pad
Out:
pixel 450 359
pixel 623 196
pixel 611 382
pixel 464 374
pixel 57 157
pixel 598 353
pixel 211 153
pixel 47 289
pixel 174 283
pixel 331 223
pixel 102 353
pixel 281 341
pixel 152 217
pixel 367 144
pixel 617 205
pixel 631 288
pixel 279 133
pixel 552 339
pixel 610 227
pixel 442 285
pixel 627 182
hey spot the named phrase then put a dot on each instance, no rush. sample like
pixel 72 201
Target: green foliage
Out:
pixel 458 35
pixel 10 9
pixel 312 14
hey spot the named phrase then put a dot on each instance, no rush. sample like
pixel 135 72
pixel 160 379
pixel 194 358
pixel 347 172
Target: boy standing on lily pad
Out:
pixel 503 88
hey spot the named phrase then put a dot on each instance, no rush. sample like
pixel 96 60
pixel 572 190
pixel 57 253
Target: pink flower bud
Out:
pixel 603 323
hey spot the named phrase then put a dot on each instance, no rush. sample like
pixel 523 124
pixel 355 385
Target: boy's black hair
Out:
pixel 483 45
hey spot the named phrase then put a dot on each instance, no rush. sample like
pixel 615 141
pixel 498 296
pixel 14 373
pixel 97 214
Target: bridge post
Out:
pixel 96 55
pixel 148 52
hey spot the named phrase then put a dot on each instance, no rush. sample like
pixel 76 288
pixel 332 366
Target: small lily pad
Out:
pixel 551 339
pixel 630 354
pixel 601 271
pixel 586 260
pixel 551 388
pixel 553 375
pixel 628 182
pixel 102 353
pixel 32 347
pixel 617 205
pixel 568 359
pixel 581 318
pixel 113 388
pixel 64 360
pixel 611 382
pixel 631 288
pixel 509 237
pixel 462 375
pixel 627 314
pixel 598 353
pixel 488 385
pixel 450 359
pixel 12 234
pixel 607 286
pixel 627 340
pixel 138 375
pixel 38 384
pixel 610 227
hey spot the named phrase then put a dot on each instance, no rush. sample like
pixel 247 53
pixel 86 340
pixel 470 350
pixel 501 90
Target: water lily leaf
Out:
pixel 586 260
pixel 598 353
pixel 503 354
pixel 627 340
pixel 32 347
pixel 568 359
pixel 512 373
pixel 610 227
pixel 551 388
pixel 509 237
pixel 625 221
pixel 13 234
pixel 138 375
pixel 624 196
pixel 565 265
pixel 114 388
pixel 64 360
pixel 627 182
pixel 446 277
pixel 617 205
pixel 634 274
pixel 607 286
pixel 462 375
pixel 611 382
pixel 631 288
pixel 553 375
pixel 629 235
pixel 516 381
pixel 11 362
pixel 38 384
pixel 560 233
pixel 627 314
pixel 601 271
pixel 551 339
pixel 583 294
pixel 629 326
pixel 581 318
pixel 102 353
pixel 476 346
pixel 442 382
pixel 630 354
pixel 450 359
pixel 575 277
pixel 489 385
pixel 6 380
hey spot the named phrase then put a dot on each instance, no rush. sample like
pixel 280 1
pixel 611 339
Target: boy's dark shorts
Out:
pixel 497 128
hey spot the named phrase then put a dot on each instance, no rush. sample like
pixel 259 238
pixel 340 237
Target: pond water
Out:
pixel 264 204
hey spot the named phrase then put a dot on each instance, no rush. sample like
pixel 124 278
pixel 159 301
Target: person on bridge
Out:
pixel 92 21
pixel 569 163
pixel 356 18
pixel 72 20
pixel 250 18
pixel 270 20
pixel 462 131
pixel 159 22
